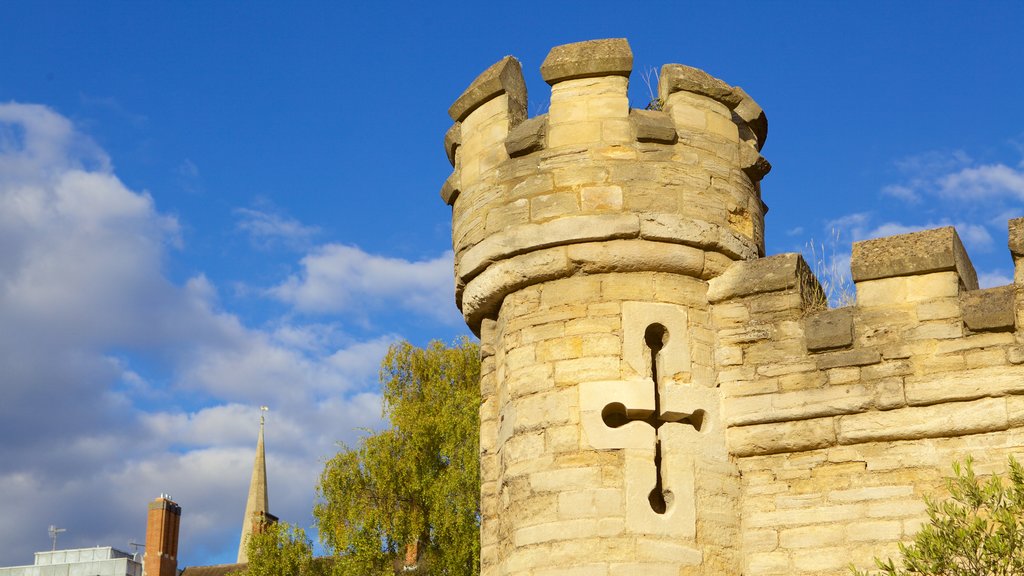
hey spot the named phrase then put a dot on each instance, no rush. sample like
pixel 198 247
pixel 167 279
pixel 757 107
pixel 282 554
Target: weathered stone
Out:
pixel 503 77
pixel 781 272
pixel 527 137
pixel 752 163
pixel 829 329
pixel 452 140
pixel 797 436
pixel 751 113
pixel 1016 237
pixel 653 126
pixel 860 357
pixel 677 77
pixel 989 309
pixel 943 420
pixel 607 57
pixel 449 191
pixel 924 252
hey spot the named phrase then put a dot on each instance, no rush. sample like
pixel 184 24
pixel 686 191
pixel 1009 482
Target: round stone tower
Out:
pixel 584 240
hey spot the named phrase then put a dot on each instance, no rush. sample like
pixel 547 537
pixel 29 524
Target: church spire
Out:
pixel 256 507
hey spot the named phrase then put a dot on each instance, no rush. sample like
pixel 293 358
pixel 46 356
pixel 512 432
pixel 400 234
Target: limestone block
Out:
pixel 751 113
pixel 606 57
pixel 452 140
pixel 573 134
pixel 882 292
pixel 798 436
pixel 924 252
pixel 637 399
pixel 484 293
pixel 1016 237
pixel 635 256
pixel 450 189
pixel 527 137
pixel 990 309
pixel 780 272
pixel 601 198
pixel 591 503
pixel 503 77
pixel 669 227
pixel 677 476
pixel 815 536
pixel 856 357
pixel 553 205
pixel 939 421
pixel 563 479
pixel 829 329
pixel 933 286
pixel 653 126
pixel 677 77
pixel 964 385
pixel 675 352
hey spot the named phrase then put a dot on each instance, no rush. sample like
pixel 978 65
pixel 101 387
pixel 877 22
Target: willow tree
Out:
pixel 408 497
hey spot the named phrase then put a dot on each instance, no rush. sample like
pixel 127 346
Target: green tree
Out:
pixel 977 531
pixel 410 495
pixel 281 550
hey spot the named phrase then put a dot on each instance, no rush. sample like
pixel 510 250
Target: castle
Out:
pixel 662 398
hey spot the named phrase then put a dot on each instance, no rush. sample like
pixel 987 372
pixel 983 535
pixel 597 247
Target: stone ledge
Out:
pixel 938 250
pixel 682 78
pixel 607 57
pixel 528 237
pixel 449 190
pixel 452 140
pixel 991 309
pixel 939 421
pixel 482 296
pixel 964 385
pixel 503 77
pixel 770 274
pixel 798 436
pixel 750 112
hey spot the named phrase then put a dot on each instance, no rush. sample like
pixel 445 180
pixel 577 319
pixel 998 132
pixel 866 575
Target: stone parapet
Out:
pixel 686 177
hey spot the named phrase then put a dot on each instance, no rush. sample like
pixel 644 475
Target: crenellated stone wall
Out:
pixel 659 397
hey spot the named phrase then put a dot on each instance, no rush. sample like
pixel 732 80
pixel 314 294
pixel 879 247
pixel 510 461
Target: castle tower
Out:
pixel 257 504
pixel 585 240
pixel 162 523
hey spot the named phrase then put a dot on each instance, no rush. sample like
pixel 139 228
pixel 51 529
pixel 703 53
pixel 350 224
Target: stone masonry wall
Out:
pixel 842 420
pixel 661 398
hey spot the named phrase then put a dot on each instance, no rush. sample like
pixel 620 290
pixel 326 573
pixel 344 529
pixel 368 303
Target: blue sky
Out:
pixel 206 207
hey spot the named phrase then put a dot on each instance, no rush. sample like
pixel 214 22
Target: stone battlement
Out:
pixel 922 354
pixel 681 184
pixel 661 397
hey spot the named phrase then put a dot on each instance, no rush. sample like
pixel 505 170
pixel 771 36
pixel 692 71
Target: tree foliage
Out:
pixel 977 531
pixel 414 486
pixel 281 550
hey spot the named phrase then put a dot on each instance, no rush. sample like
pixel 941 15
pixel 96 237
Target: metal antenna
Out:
pixel 53 535
pixel 135 549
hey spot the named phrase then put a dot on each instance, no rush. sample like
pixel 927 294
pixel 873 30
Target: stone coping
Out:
pixel 607 57
pixel 503 77
pixel 937 250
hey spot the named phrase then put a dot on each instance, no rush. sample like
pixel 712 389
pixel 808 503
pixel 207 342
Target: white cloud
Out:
pixel 993 278
pixel 119 384
pixel 267 229
pixel 981 182
pixel 344 279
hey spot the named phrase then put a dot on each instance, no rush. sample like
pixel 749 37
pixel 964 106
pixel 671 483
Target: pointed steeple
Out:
pixel 256 507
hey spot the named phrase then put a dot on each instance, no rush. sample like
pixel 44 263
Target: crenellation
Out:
pixel 659 396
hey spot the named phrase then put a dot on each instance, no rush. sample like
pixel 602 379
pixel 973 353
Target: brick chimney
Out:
pixel 161 558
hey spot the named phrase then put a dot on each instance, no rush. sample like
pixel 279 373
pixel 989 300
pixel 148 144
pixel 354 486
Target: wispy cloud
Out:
pixel 267 229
